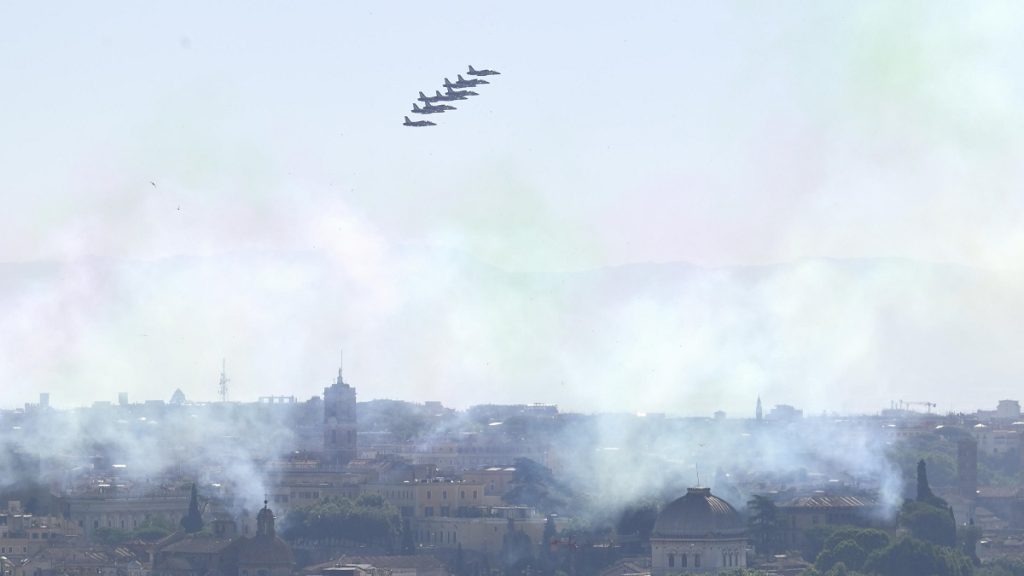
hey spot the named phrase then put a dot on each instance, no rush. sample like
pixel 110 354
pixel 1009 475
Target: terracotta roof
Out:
pixel 423 564
pixel 823 501
pixel 998 492
pixel 265 550
pixel 198 545
pixel 629 567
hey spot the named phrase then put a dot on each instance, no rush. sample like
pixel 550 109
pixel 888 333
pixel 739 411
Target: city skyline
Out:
pixel 682 205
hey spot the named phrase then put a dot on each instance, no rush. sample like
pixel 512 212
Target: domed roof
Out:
pixel 699 514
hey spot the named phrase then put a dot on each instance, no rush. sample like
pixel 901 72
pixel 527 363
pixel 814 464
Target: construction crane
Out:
pixel 903 405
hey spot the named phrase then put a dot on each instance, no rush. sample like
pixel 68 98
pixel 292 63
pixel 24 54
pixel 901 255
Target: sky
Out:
pixel 185 183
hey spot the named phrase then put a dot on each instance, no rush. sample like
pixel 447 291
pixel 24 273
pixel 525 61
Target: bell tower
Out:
pixel 339 422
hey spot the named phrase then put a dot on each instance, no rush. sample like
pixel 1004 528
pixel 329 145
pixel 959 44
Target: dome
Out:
pixel 699 514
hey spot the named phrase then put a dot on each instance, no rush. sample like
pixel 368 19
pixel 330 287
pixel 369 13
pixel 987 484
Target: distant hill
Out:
pixel 427 324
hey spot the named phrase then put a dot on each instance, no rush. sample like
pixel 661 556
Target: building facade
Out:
pixel 698 533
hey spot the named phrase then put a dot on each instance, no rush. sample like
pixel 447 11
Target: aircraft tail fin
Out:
pixel 461 78
pixel 406 119
pixel 421 95
pixel 471 69
pixel 437 92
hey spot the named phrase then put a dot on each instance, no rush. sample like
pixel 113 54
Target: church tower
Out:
pixel 265 522
pixel 339 422
pixel 759 414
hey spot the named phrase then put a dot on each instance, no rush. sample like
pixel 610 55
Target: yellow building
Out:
pixel 428 498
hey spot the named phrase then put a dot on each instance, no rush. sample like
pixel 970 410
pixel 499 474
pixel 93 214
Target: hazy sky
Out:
pixel 290 213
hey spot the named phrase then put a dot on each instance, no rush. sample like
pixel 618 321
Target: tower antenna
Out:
pixel 222 389
pixel 341 364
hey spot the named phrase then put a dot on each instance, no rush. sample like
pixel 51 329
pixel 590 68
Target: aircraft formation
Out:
pixel 453 91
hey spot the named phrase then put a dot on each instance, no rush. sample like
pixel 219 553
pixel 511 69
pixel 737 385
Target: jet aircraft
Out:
pixel 482 72
pixel 428 99
pixel 463 83
pixel 441 107
pixel 459 94
pixel 427 109
pixel 449 96
pixel 418 123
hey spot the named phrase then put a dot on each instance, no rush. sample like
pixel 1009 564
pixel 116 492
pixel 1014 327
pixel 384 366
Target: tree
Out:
pixel 928 517
pixel 547 562
pixel 110 536
pixel 764 524
pixel 847 554
pixel 908 556
pixel 537 487
pixel 408 544
pixel 516 550
pixel 193 521
pixel 870 539
pixel 814 541
pixel 152 529
pixel 368 519
pixel 924 491
pixel 639 520
pixel 1001 567
pixel 928 523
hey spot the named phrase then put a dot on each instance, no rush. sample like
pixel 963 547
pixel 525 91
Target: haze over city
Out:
pixel 672 208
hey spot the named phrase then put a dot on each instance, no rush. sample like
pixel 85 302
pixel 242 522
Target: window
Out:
pixel 671 560
pixel 683 563
pixel 428 511
pixel 696 560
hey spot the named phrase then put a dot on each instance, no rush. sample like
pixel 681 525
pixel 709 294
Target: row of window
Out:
pixel 730 559
pixel 443 511
pixel 683 560
pixel 10 550
pixel 407 494
pixel 437 536
pixel 444 494
pixel 34 535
